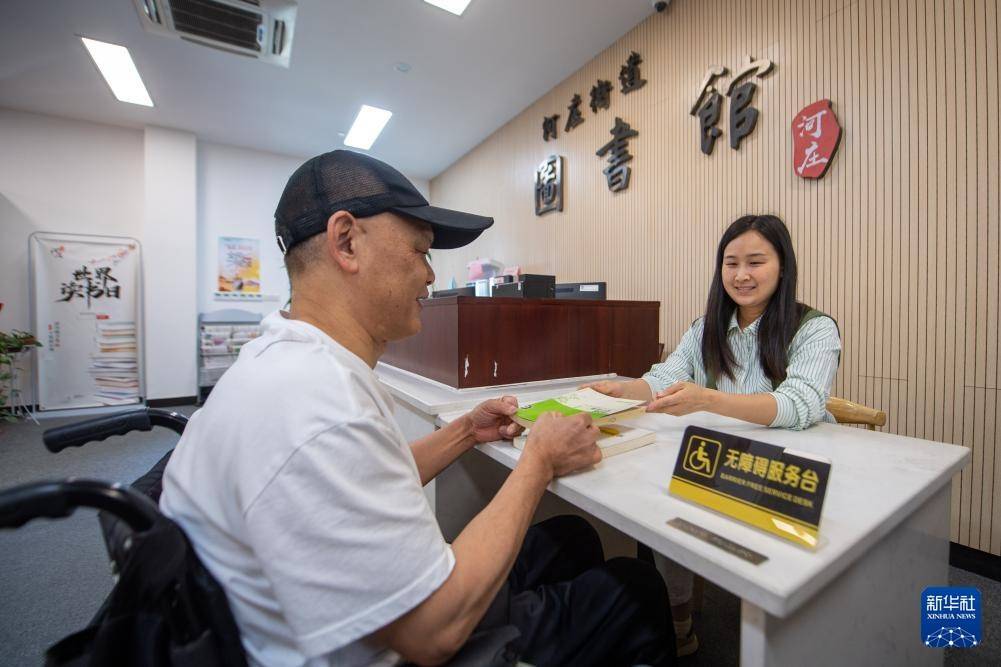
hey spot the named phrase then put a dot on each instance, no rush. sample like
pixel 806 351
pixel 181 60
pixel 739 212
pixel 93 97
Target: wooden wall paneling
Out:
pixel 930 43
pixel 966 249
pixel 899 30
pixel 989 204
pixel 892 106
pixel 950 247
pixel 978 140
pixel 899 242
pixel 982 138
pixel 889 220
pixel 970 197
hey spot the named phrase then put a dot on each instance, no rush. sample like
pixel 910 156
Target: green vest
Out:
pixel 808 315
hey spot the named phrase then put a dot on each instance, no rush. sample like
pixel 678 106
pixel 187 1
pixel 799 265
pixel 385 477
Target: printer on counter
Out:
pixel 589 291
pixel 531 286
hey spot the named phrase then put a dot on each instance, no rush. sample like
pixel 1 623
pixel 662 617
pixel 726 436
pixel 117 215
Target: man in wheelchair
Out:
pixel 302 497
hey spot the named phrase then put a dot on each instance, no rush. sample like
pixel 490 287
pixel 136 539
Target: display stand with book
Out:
pixel 221 334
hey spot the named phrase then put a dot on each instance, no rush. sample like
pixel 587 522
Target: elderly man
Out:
pixel 303 498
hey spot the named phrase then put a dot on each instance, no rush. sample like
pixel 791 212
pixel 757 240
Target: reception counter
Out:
pixel 884 533
pixel 468 342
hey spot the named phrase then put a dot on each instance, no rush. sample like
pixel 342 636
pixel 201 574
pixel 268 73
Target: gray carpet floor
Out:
pixel 54 574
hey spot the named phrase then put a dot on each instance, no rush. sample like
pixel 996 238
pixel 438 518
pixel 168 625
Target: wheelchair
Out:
pixel 165 608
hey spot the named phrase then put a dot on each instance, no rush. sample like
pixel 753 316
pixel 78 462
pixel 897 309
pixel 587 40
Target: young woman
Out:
pixel 757 354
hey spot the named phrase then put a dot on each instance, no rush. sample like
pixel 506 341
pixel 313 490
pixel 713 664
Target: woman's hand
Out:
pixel 682 398
pixel 606 387
pixel 637 390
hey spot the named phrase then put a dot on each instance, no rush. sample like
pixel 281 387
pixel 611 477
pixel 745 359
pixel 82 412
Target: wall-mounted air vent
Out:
pixel 260 29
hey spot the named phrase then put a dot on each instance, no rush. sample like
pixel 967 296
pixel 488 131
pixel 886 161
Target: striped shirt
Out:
pixel 801 398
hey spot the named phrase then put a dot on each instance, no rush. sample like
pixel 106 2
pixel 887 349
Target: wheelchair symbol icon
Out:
pixel 701 456
pixel 698 461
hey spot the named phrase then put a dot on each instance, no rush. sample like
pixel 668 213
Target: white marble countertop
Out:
pixel 877 480
pixel 434 398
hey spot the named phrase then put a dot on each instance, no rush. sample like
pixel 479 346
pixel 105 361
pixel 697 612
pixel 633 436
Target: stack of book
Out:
pixel 114 366
pixel 606 412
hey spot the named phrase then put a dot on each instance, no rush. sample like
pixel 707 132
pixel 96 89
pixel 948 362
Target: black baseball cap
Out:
pixel 363 186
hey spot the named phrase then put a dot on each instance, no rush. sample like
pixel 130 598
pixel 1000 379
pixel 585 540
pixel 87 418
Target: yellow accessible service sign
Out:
pixel 766 486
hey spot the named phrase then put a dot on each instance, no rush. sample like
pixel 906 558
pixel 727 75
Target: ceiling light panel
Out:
pixel 367 126
pixel 454 6
pixel 118 69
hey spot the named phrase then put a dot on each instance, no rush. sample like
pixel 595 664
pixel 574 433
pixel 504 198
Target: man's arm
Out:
pixel 488 421
pixel 435 451
pixel 486 549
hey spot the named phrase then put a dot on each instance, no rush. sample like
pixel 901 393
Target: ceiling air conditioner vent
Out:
pixel 152 12
pixel 261 29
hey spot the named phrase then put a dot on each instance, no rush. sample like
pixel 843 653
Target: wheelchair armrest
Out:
pixel 99 428
pixel 58 499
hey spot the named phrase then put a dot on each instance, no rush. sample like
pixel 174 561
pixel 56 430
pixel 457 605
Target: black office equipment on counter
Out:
pixel 455 291
pixel 589 291
pixel 531 286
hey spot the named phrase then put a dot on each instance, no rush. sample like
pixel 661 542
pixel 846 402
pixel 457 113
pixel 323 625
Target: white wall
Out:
pixel 170 237
pixel 238 190
pixel 163 187
pixel 422 184
pixel 59 175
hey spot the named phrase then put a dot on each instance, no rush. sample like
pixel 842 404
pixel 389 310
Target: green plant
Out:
pixel 11 344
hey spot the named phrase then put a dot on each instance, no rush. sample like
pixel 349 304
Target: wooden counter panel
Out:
pixel 475 342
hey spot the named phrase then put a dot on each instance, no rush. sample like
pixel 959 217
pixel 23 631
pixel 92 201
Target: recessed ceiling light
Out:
pixel 403 67
pixel 454 6
pixel 118 69
pixel 367 126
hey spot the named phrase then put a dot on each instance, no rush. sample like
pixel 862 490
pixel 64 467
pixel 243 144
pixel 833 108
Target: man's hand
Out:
pixel 563 444
pixel 491 420
pixel 682 398
pixel 486 549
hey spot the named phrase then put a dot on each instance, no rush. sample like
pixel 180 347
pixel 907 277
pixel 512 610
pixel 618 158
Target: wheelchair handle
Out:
pixel 100 428
pixel 59 499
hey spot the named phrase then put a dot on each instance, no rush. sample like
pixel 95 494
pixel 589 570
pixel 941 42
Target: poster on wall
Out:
pixel 86 300
pixel 239 265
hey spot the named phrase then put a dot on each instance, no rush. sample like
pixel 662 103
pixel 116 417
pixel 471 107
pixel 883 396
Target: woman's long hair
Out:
pixel 780 319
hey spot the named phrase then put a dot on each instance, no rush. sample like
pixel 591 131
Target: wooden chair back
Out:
pixel 848 412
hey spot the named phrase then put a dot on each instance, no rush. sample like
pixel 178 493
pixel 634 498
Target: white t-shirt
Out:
pixel 300 495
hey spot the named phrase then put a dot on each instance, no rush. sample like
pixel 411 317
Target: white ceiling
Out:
pixel 469 75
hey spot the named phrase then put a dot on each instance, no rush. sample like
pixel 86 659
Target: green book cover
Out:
pixel 583 400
